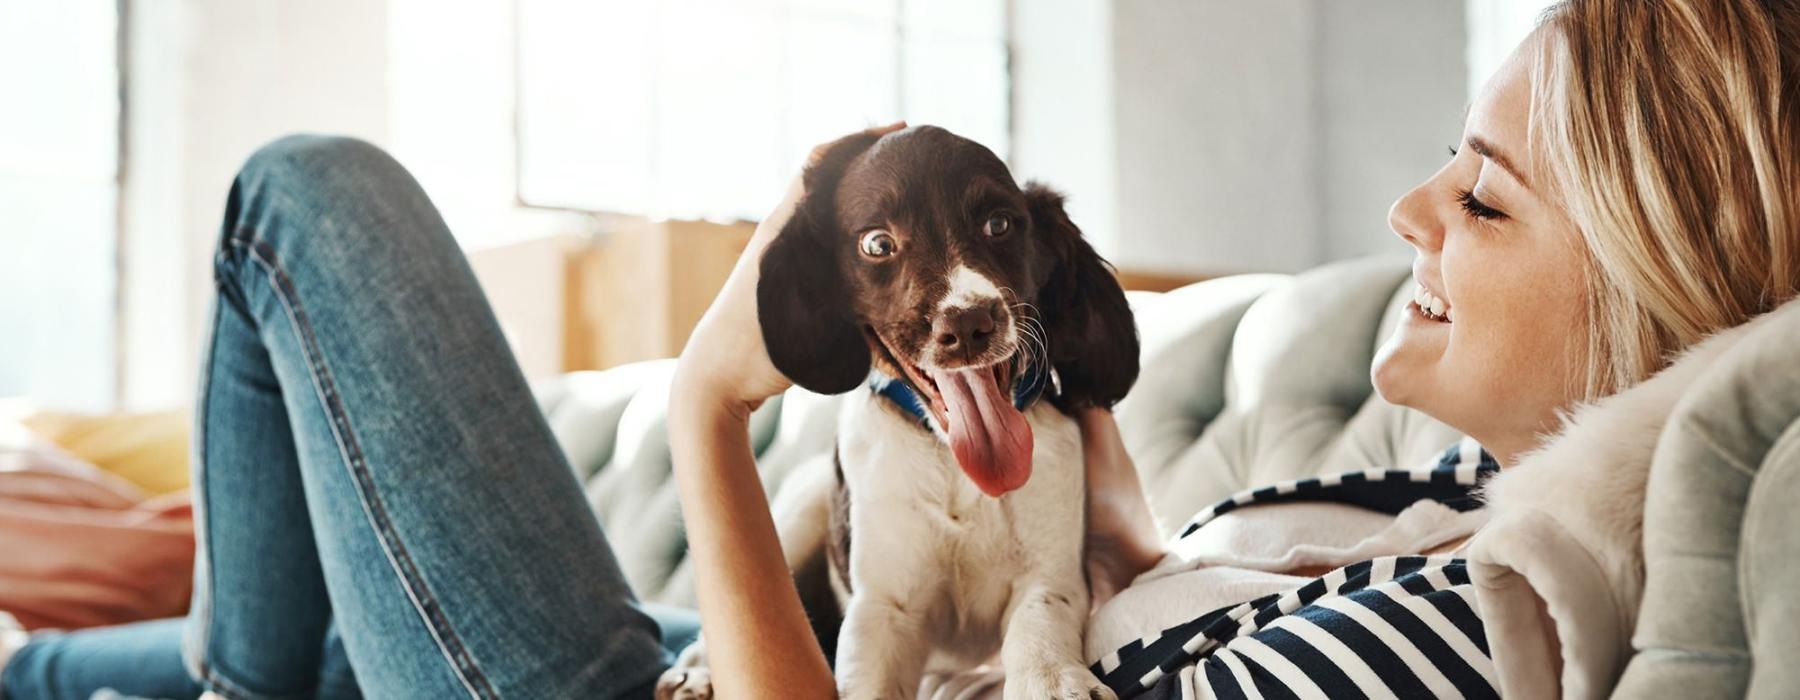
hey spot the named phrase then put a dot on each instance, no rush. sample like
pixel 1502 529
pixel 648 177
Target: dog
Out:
pixel 979 320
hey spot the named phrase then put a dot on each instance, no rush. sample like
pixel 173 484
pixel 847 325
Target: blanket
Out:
pixel 80 547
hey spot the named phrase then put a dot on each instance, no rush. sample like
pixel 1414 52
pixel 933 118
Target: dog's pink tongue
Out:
pixel 989 436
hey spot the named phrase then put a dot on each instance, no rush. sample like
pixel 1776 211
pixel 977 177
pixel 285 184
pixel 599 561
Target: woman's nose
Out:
pixel 1414 220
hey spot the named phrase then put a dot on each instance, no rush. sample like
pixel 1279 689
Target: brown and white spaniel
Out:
pixel 918 273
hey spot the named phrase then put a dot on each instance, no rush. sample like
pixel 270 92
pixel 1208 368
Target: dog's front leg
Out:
pixel 1042 648
pixel 881 652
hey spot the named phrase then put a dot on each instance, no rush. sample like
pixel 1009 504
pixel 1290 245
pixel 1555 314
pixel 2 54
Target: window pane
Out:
pixel 57 165
pixel 705 108
pixel 882 11
pixel 1495 28
pixel 961 86
pixel 716 119
pixel 585 103
pixel 964 19
pixel 839 77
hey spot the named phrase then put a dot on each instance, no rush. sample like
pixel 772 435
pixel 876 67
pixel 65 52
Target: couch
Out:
pixel 1252 379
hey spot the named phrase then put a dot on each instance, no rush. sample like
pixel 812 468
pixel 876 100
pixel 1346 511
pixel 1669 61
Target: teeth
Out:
pixel 1430 303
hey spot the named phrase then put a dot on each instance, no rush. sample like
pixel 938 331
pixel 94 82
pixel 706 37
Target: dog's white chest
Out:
pixel 926 538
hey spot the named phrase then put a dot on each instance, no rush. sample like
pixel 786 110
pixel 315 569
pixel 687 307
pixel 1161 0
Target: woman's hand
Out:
pixel 725 362
pixel 1122 538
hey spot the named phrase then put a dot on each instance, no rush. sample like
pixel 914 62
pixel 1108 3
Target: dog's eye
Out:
pixel 878 244
pixel 998 225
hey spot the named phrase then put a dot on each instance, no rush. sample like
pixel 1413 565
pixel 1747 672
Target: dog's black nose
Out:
pixel 965 332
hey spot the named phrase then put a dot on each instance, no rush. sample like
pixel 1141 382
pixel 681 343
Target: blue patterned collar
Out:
pixel 1027 389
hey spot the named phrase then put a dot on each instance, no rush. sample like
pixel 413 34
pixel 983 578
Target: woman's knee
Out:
pixel 325 162
pixel 306 195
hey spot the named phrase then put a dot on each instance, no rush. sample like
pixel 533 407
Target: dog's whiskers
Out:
pixel 1033 348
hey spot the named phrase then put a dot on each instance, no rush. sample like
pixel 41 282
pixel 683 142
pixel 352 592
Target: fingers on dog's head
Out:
pixel 1093 335
pixel 802 296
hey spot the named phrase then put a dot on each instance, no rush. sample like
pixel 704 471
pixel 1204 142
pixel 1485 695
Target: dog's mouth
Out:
pixel 973 408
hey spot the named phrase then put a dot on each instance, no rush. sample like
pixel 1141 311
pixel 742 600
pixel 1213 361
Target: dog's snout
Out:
pixel 966 332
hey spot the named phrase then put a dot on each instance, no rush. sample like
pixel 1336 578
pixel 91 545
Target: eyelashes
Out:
pixel 1476 209
pixel 1472 205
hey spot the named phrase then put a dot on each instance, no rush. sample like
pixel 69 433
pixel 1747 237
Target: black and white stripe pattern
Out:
pixel 1449 480
pixel 1392 626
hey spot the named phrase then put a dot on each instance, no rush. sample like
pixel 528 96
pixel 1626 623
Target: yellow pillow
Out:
pixel 146 449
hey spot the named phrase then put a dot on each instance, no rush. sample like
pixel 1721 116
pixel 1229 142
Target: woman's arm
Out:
pixel 1122 537
pixel 758 641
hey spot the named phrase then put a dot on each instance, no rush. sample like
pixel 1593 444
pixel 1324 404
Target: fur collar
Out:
pixel 1591 476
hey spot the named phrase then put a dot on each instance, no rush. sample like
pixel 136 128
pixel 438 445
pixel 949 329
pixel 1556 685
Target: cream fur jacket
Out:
pixel 1559 567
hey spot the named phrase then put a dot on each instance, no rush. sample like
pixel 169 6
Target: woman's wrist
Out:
pixel 698 401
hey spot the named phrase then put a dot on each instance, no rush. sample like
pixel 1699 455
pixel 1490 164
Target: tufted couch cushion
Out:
pixel 1246 380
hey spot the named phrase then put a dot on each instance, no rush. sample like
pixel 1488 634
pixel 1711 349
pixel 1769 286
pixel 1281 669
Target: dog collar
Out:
pixel 1027 389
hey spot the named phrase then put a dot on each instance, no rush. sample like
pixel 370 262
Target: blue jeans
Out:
pixel 383 509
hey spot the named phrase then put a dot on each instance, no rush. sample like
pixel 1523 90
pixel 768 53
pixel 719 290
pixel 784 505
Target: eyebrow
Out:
pixel 1487 150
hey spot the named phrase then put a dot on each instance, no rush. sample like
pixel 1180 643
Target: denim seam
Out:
pixel 194 656
pixel 430 611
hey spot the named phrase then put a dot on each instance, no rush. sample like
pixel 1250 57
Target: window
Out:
pixel 58 201
pixel 703 109
pixel 1495 28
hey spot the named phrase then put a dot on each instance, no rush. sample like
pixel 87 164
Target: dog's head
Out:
pixel 917 254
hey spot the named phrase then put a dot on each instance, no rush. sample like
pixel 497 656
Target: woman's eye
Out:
pixel 998 225
pixel 1476 209
pixel 879 244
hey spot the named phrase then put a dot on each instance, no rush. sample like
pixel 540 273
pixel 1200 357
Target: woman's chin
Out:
pixel 1401 374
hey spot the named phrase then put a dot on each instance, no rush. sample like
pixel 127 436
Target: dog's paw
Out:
pixel 1059 683
pixel 691 683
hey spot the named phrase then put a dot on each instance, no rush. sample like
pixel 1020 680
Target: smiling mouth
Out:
pixel 1428 305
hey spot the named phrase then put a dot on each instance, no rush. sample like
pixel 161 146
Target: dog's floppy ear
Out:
pixel 1092 334
pixel 802 299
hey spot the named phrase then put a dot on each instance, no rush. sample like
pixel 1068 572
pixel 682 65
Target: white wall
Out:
pixel 1495 28
pixel 1267 135
pixel 1217 146
pixel 1393 86
pixel 1063 126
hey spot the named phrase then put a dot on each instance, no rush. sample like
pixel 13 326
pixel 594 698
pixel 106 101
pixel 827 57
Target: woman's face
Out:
pixel 1502 261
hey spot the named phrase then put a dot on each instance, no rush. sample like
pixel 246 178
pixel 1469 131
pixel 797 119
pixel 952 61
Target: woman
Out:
pixel 1597 217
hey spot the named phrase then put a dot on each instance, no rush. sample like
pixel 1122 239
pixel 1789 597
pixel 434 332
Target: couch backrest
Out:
pixel 1719 616
pixel 1247 380
pixel 1253 380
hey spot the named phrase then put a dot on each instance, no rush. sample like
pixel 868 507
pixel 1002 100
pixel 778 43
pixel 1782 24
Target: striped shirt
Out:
pixel 1404 626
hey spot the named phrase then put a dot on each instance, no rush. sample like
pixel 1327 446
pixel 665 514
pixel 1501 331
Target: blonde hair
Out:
pixel 1668 129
